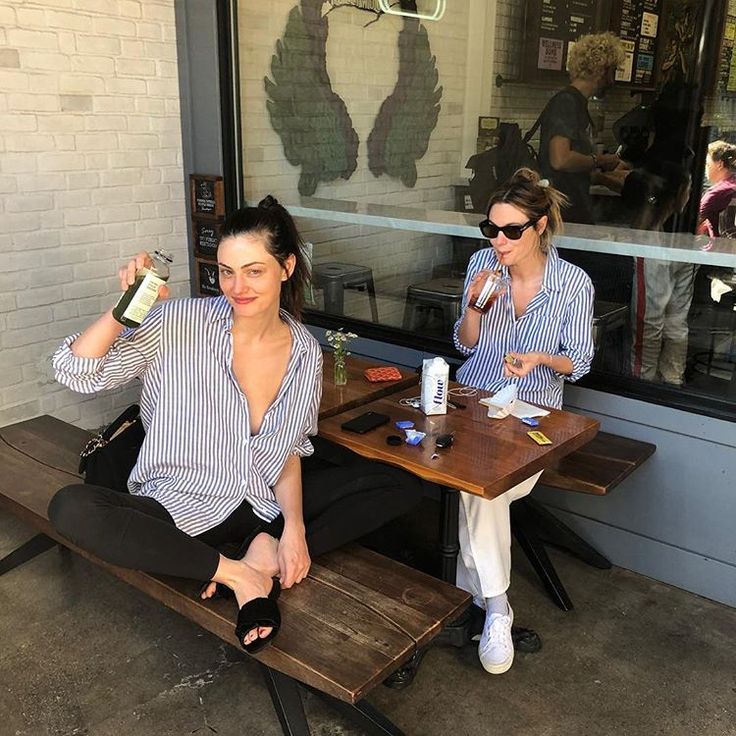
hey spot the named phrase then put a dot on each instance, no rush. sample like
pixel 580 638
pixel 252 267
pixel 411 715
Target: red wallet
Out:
pixel 385 373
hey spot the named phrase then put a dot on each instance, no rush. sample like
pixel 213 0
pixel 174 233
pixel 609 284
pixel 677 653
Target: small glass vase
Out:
pixel 341 370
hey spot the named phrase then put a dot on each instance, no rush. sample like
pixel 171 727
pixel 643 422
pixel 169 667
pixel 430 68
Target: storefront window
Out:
pixel 385 132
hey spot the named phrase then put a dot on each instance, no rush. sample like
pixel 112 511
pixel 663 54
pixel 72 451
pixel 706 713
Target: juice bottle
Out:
pixel 140 296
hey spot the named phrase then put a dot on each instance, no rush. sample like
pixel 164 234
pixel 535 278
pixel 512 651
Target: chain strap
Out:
pixel 92 445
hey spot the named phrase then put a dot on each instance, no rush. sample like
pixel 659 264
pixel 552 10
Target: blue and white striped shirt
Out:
pixel 558 321
pixel 199 459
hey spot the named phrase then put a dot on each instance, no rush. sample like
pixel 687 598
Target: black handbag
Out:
pixel 108 458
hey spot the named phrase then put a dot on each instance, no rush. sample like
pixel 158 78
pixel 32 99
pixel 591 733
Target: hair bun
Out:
pixel 268 201
pixel 527 175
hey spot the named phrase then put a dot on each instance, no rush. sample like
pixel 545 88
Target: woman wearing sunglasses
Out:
pixel 536 334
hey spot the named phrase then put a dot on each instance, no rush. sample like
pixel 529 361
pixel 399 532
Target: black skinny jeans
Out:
pixel 344 498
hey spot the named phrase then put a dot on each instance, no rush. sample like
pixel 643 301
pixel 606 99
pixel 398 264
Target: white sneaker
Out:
pixel 496 648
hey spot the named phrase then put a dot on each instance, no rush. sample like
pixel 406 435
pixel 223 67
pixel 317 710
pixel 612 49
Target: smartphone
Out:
pixel 365 422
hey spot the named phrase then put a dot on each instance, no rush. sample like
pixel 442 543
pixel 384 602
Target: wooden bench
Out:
pixel 596 468
pixel 355 619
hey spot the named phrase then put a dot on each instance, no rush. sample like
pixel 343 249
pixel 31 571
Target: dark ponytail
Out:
pixel 275 225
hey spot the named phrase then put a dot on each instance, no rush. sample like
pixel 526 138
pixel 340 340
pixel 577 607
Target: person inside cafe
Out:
pixel 662 290
pixel 720 170
pixel 567 154
pixel 536 335
pixel 231 387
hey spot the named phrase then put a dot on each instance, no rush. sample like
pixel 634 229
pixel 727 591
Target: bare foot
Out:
pixel 249 578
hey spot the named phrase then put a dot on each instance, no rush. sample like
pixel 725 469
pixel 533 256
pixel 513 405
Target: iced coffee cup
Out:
pixel 491 287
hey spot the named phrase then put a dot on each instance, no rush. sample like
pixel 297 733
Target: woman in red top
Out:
pixel 720 168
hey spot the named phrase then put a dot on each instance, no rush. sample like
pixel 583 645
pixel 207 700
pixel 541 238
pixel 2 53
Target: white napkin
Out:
pixel 501 404
pixel 504 402
pixel 522 409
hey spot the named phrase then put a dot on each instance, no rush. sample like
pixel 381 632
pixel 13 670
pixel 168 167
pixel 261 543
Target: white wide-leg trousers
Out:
pixel 484 562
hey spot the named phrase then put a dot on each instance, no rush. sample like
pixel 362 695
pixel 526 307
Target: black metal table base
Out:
pixel 287 702
pixel 465 629
pixel 27 551
pixel 533 527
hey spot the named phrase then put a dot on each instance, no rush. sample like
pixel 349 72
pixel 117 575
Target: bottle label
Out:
pixel 144 298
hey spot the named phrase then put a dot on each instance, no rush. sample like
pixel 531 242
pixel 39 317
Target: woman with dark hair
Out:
pixel 720 170
pixel 231 391
pixel 536 335
pixel 662 290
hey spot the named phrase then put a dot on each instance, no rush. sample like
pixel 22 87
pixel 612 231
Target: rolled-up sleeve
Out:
pixel 473 268
pixel 577 333
pixel 128 357
pixel 303 446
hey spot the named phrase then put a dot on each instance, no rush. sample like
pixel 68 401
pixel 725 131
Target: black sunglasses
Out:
pixel 513 232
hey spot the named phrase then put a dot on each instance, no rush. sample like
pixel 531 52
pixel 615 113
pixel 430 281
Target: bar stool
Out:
pixel 334 278
pixel 441 295
pixel 608 318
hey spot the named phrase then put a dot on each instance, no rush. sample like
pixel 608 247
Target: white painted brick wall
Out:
pixel 90 173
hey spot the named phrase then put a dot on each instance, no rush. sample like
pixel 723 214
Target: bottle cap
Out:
pixel 164 255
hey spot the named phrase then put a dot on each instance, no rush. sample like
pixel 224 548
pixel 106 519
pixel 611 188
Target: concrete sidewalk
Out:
pixel 84 654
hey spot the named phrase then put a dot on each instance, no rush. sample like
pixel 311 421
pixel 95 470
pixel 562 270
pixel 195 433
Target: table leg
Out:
pixel 449 540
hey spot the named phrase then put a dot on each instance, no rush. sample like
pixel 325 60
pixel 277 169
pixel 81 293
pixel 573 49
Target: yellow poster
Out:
pixel 731 86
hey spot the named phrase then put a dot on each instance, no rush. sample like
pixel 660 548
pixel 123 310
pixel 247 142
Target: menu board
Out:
pixel 552 26
pixel 727 59
pixel 208 283
pixel 206 236
pixel 637 24
pixel 207 194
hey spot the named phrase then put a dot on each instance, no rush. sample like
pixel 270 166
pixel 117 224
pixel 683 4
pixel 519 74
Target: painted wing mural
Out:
pixel 407 117
pixel 311 120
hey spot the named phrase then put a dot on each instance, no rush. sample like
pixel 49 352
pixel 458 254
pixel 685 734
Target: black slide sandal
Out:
pixel 260 612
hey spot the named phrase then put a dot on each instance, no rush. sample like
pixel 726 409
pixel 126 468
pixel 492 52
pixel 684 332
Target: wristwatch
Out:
pixel 595 160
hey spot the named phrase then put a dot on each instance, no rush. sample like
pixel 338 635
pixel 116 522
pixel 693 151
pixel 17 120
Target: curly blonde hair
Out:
pixel 593 54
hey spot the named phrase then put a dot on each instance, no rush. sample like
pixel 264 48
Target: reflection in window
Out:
pixel 342 102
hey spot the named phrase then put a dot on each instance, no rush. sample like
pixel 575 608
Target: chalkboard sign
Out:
pixel 638 24
pixel 550 29
pixel 207 195
pixel 208 283
pixel 206 236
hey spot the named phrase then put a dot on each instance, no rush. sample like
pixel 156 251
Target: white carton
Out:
pixel 435 384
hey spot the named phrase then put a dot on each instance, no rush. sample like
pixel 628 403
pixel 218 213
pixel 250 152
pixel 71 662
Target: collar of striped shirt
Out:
pixel 221 311
pixel 551 280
